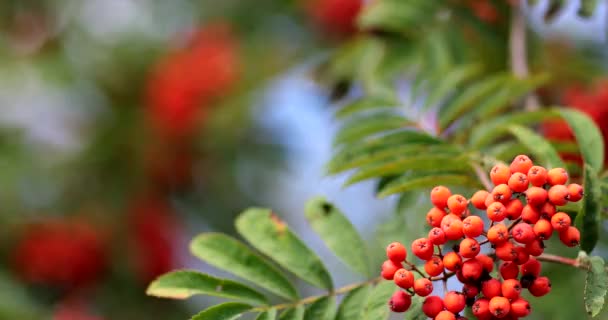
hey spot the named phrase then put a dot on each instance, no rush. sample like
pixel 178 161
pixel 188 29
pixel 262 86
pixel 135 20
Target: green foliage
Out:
pixel 353 303
pixel 596 285
pixel 588 137
pixel 322 309
pixel 224 311
pixel 588 219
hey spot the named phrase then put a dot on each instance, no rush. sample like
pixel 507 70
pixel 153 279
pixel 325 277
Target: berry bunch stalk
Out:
pixel 522 211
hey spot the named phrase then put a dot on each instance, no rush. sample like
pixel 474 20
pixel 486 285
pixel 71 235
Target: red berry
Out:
pixel 452 227
pixel 457 204
pixel 479 199
pixel 521 164
pixel 471 270
pixel 422 248
pixel 389 268
pixel 570 237
pixel 491 288
pixel 522 255
pixel 423 287
pixel 454 301
pixel 520 308
pixel 575 192
pixel 452 261
pixel 500 307
pixel 481 308
pixel 514 208
pixel 498 234
pixel 434 266
pixel 500 174
pixel 537 176
pixel 432 306
pixel 469 248
pixel 470 290
pixel 558 195
pixel 531 268
pixel 445 315
pixel 535 248
pixel 439 196
pixel 437 236
pixel 400 301
pixel 523 233
pixel 536 196
pixel 434 217
pixel 557 176
pixel 540 287
pixel 543 229
pixel 486 262
pixel 547 210
pixel 506 251
pixel 509 270
pixel 472 226
pixel 560 221
pixel 497 212
pixel 518 182
pixel 511 289
pixel 396 252
pixel 404 278
pixel 530 214
pixel 502 193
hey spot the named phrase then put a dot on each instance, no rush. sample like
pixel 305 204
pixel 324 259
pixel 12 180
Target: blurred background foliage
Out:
pixel 128 126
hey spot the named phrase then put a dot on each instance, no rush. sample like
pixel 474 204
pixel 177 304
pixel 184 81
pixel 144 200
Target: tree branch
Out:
pixel 519 53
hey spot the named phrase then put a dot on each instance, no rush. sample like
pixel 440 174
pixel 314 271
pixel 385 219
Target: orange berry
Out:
pixel 523 233
pixel 500 307
pixel 423 287
pixel 472 226
pixel 389 268
pixel 496 212
pixel 434 216
pixel 530 214
pixel 471 270
pixel 531 268
pixel 422 248
pixel 514 208
pixel 522 255
pixel 520 308
pixel 575 192
pixel 557 176
pixel 454 301
pixel 491 288
pixel 500 174
pixel 540 287
pixel 521 164
pixel 452 227
pixel 506 251
pixel 469 248
pixel 452 261
pixel 537 176
pixel 511 289
pixel 558 194
pixel 502 193
pixel 481 308
pixel 479 199
pixel 536 196
pixel 489 200
pixel 535 248
pixel 396 252
pixel 547 210
pixel 434 266
pixel 486 262
pixel 498 234
pixel 439 196
pixel 509 270
pixel 404 278
pixel 445 315
pixel 457 204
pixel 432 306
pixel 400 301
pixel 437 236
pixel 561 221
pixel 543 229
pixel 518 182
pixel 570 237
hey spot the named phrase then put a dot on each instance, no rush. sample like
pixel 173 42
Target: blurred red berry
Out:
pixel 73 309
pixel 337 17
pixel 68 254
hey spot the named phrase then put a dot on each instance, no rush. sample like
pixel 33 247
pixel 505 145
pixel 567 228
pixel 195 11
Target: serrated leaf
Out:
pixel 322 309
pixel 450 81
pixel 488 131
pixel 270 314
pixel 376 305
pixel 267 233
pixel 424 179
pixel 401 165
pixel 361 127
pixel 325 218
pixel 596 285
pixel 415 310
pixel 588 137
pixel 588 220
pixel 229 254
pixel 183 284
pixel 367 103
pixel 469 97
pixel 538 146
pixel 296 313
pixel 224 311
pixel 353 304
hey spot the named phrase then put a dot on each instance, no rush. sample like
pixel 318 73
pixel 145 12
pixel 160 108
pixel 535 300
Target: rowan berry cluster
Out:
pixel 528 196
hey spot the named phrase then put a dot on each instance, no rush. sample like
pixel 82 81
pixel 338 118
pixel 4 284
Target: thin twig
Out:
pixel 519 53
pixel 415 269
pixel 561 260
pixel 482 176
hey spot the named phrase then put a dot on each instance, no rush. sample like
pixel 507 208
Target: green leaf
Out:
pixel 325 219
pixel 270 314
pixel 587 8
pixel 322 309
pixel 415 310
pixel 538 146
pixel 183 284
pixel 449 82
pixel 490 130
pixel 588 220
pixel 353 304
pixel 296 313
pixel 376 305
pixel 395 15
pixel 224 311
pixel 423 179
pixel 361 127
pixel 227 253
pixel 596 285
pixel 367 103
pixel 401 165
pixel 267 233
pixel 469 98
pixel 588 137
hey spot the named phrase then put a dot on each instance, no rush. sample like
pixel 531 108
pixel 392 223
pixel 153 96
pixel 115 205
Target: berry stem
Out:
pixel 513 224
pixel 445 277
pixel 415 269
pixel 561 260
pixel 312 299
